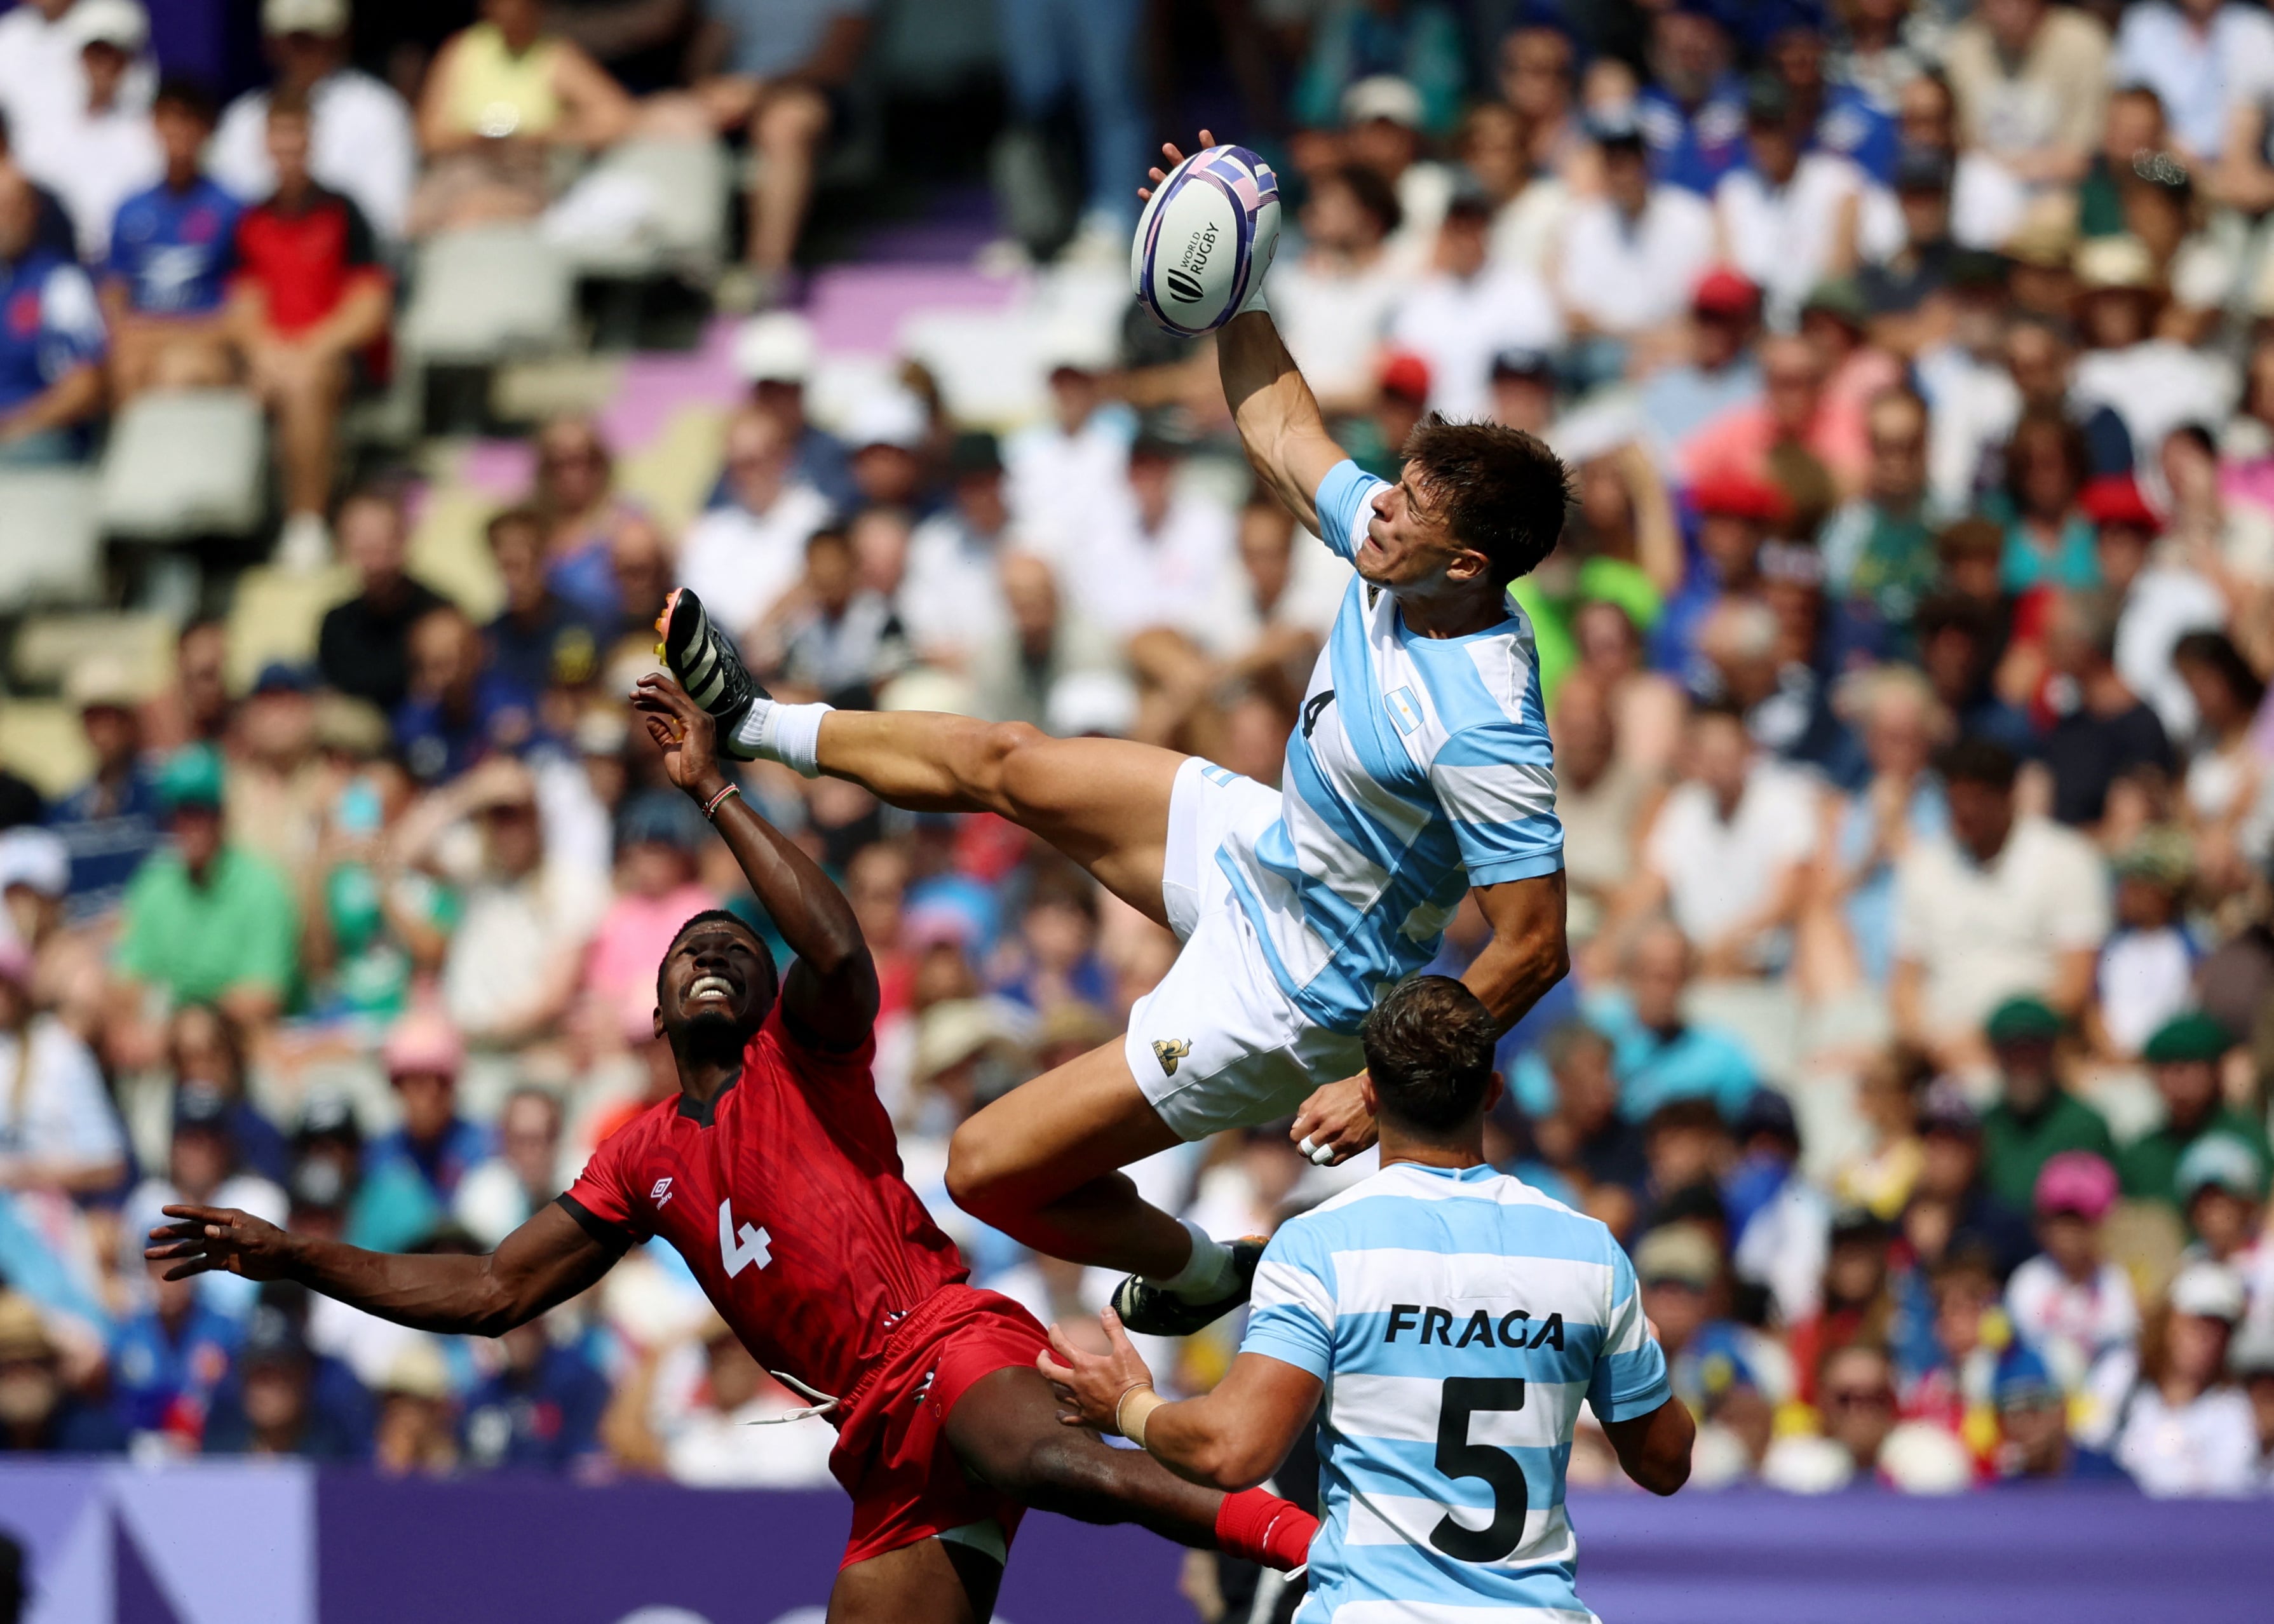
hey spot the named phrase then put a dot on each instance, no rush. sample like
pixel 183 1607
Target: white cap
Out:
pixel 888 418
pixel 36 858
pixel 121 23
pixel 1383 95
pixel 322 17
pixel 775 348
pixel 2210 1291
pixel 1091 702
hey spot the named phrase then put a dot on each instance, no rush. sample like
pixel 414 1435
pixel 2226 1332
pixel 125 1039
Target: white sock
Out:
pixel 790 735
pixel 1206 1273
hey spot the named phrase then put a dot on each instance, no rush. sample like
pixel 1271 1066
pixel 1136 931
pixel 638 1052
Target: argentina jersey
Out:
pixel 1457 1317
pixel 1419 767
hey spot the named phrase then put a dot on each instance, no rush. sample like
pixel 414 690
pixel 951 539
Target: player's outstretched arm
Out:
pixel 829 996
pixel 545 1262
pixel 1278 417
pixel 1530 950
pixel 1231 1438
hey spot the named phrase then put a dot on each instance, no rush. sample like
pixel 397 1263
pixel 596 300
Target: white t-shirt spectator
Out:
pixel 1984 932
pixel 1627 276
pixel 2155 386
pixel 1457 326
pixel 1334 321
pixel 2089 1334
pixel 750 1446
pixel 1783 236
pixel 1718 873
pixel 739 562
pixel 362 146
pixel 511 938
pixel 1234 619
pixel 1986 202
pixel 951 600
pixel 2198 76
pixel 53 1106
pixel 2209 1446
pixel 1057 484
pixel 2166 602
pixel 42 85
pixel 2144 978
pixel 1131 579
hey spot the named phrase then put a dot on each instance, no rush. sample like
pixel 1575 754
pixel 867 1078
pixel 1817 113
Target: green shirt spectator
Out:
pixel 209 921
pixel 2035 1119
pixel 2183 1056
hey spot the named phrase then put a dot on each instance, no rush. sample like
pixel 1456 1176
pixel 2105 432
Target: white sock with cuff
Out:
pixel 790 735
pixel 1207 1274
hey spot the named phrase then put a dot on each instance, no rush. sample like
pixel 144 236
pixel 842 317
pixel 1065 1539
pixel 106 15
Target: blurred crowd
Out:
pixel 1906 656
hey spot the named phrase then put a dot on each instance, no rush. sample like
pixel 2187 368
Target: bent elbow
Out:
pixel 1225 1465
pixel 1670 1477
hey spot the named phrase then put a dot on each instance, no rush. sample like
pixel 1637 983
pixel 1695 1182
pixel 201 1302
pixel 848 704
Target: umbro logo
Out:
pixel 661 1193
pixel 1168 1051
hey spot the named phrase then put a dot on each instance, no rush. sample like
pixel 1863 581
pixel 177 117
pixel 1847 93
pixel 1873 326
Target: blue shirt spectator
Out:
pixel 51 340
pixel 115 820
pixel 284 1399
pixel 542 1412
pixel 168 1361
pixel 172 247
pixel 1693 146
pixel 48 1419
pixel 1659 1060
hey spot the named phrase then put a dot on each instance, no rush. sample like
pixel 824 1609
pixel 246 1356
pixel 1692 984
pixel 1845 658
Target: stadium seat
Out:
pixel 48 646
pixel 184 463
pixel 647 208
pixel 487 293
pixel 50 547
pixel 40 739
pixel 274 615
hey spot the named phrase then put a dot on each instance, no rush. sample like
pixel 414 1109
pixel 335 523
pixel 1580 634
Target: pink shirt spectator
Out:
pixel 634 936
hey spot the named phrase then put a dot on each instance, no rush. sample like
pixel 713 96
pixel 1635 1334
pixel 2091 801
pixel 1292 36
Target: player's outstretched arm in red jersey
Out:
pixel 830 994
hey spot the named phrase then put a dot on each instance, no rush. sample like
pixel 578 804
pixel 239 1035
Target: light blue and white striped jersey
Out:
pixel 1457 1317
pixel 1420 767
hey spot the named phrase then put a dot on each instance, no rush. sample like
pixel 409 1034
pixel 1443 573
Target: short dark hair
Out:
pixel 712 916
pixel 520 517
pixel 1373 194
pixel 186 95
pixel 1976 760
pixel 2215 652
pixel 1499 490
pixel 1430 1049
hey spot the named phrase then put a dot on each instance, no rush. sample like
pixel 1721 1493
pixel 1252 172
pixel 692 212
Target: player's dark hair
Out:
pixel 1430 1049
pixel 712 916
pixel 1498 490
pixel 1976 760
pixel 186 95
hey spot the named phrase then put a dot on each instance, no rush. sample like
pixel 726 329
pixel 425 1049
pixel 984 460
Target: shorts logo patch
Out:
pixel 1405 710
pixel 1168 1051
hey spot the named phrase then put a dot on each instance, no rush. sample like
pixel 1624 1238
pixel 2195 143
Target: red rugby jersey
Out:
pixel 785 1197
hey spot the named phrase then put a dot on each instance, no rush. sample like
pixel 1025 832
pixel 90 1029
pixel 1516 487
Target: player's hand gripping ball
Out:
pixel 1205 239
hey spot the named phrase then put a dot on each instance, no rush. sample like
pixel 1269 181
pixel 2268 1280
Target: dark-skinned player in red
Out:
pixel 775 1175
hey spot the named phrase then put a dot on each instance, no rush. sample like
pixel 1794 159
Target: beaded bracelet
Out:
pixel 711 807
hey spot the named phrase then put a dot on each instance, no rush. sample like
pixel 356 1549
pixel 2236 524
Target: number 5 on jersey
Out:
pixel 737 1250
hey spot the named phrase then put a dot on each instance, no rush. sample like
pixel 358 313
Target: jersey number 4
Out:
pixel 736 1250
pixel 1457 1457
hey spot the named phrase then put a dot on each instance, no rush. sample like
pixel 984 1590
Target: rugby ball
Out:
pixel 1206 239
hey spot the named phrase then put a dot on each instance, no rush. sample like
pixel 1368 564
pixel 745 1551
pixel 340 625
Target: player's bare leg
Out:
pixel 1042 1165
pixel 1007 1433
pixel 1105 803
pixel 928 1582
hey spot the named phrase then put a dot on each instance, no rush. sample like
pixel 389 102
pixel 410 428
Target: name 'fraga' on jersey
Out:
pixel 1457 1317
pixel 1419 767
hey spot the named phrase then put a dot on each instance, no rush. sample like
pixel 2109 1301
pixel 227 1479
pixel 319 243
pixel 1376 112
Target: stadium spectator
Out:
pixel 2189 1428
pixel 1796 423
pixel 167 1364
pixel 195 706
pixel 777 70
pixel 951 599
pixel 1881 1175
pixel 113 822
pixel 1334 302
pixel 51 352
pixel 57 1131
pixel 2009 903
pixel 280 1401
pixel 1878 547
pixel 584 517
pixel 538 640
pixel 1693 109
pixel 2183 1058
pixel 415 1434
pixel 776 354
pixel 2222 1189
pixel 1951 1204
pixel 42 79
pixel 2032 82
pixel 1633 258
pixel 458 708
pixel 501 98
pixel 360 140
pixel 540 1410
pixel 276 783
pixel 2228 808
pixel 204 1050
pixel 201 1165
pixel 1779 1222
pixel 1419 42
pixel 1467 310
pixel 2070 1302
pixel 39 1413
pixel 741 558
pixel 498 1197
pixel 2147 967
pixel 2201 58
pixel 98 148
pixel 2034 1118
pixel 2034 1442
pixel 309 304
pixel 1657 1054
pixel 208 920
pixel 410 1173
pixel 363 647
pixel 2161 600
pixel 831 634
pixel 172 250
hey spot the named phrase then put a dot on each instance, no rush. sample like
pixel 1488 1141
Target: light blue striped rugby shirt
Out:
pixel 1457 1317
pixel 1420 767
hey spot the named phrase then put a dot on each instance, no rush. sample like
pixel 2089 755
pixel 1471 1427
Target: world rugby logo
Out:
pixel 1182 287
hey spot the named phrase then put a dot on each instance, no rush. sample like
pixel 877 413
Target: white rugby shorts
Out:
pixel 1217 1044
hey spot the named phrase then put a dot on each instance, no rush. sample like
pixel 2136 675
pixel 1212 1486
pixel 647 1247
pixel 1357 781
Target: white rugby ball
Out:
pixel 1206 239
